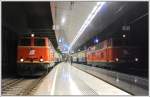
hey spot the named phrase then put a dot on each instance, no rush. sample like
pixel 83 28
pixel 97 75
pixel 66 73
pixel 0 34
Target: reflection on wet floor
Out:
pixel 65 79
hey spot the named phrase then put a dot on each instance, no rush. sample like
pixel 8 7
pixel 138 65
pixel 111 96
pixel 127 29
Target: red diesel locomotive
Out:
pixel 113 53
pixel 35 55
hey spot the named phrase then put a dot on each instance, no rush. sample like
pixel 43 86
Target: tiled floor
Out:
pixel 65 79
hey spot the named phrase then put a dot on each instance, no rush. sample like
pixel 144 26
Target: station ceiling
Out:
pixel 69 16
pixel 29 17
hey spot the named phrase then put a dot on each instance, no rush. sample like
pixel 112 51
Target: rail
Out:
pixel 21 86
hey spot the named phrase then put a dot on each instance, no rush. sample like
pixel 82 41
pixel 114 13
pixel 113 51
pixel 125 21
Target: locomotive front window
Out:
pixel 39 42
pixel 117 42
pixel 120 42
pixel 25 42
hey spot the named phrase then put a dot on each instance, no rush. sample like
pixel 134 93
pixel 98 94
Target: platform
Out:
pixel 65 79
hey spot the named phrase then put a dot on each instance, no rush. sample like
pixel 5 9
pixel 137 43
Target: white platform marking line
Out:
pixel 73 86
pixel 54 81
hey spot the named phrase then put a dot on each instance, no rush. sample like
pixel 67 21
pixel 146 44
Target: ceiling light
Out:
pixel 96 40
pixel 91 16
pixel 60 41
pixel 53 27
pixel 63 20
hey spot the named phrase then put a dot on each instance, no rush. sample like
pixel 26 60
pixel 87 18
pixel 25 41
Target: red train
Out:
pixel 113 53
pixel 35 55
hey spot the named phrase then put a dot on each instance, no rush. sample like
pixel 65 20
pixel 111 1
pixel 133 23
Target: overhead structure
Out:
pixel 68 17
pixel 88 20
pixel 29 17
pixel 77 22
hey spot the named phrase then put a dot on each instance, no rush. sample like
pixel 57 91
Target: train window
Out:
pixel 93 53
pixel 25 42
pixel 105 44
pixel 39 42
pixel 116 42
pixel 97 46
pixel 102 45
pixel 109 42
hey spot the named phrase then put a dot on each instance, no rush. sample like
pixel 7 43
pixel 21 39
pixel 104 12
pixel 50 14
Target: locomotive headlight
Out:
pixel 117 59
pixel 136 59
pixel 32 35
pixel 21 60
pixel 41 60
pixel 123 35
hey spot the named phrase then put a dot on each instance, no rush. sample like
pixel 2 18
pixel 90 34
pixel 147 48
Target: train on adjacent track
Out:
pixel 112 53
pixel 35 55
pixel 121 46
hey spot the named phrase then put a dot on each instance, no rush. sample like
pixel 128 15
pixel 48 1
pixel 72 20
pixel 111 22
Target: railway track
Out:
pixel 21 86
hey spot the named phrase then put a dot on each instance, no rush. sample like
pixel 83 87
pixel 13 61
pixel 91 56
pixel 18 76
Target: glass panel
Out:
pixel 109 42
pixel 39 42
pixel 25 42
pixel 120 42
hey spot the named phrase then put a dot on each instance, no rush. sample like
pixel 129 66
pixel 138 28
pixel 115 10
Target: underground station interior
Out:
pixel 74 48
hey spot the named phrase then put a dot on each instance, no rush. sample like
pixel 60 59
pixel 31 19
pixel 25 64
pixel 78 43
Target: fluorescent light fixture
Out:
pixel 63 20
pixel 60 40
pixel 91 16
pixel 54 27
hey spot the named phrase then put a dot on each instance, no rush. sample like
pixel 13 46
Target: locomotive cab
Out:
pixel 34 55
pixel 124 52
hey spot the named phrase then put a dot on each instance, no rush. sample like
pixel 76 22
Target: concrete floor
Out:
pixel 65 79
